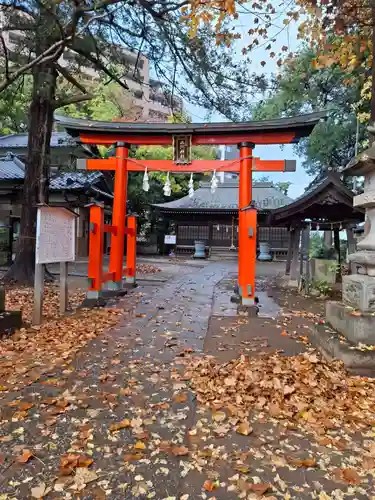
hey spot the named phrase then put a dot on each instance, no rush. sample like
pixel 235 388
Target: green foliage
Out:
pixel 316 244
pixel 322 287
pixel 109 102
pixel 14 103
pixel 318 250
pixel 302 88
pixel 281 186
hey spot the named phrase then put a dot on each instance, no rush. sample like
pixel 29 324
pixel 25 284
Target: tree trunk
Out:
pixel 372 104
pixel 35 186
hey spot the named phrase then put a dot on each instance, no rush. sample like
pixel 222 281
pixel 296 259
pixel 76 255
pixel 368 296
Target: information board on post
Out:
pixel 170 239
pixel 55 242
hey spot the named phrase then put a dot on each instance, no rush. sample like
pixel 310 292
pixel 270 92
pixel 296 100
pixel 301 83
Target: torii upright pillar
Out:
pixel 247 227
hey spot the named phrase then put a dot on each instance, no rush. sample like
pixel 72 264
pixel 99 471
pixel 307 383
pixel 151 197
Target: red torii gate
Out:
pixel 181 137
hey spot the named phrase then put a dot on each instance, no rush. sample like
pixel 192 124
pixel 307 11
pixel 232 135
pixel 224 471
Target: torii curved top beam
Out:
pixel 277 131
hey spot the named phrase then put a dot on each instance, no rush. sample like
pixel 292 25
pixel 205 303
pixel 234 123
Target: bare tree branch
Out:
pixel 100 66
pixel 3 44
pixel 70 78
pixel 60 103
pixel 52 53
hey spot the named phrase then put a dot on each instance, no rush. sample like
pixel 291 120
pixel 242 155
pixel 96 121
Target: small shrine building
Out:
pixel 213 217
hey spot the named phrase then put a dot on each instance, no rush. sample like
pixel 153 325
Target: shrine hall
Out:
pixel 213 218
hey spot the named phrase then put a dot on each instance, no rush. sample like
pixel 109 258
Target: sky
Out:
pixel 288 37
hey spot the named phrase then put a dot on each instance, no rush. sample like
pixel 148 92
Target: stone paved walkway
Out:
pixel 119 375
pixel 122 405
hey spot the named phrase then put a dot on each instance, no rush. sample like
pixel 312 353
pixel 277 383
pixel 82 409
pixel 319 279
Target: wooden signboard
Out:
pixel 55 235
pixel 55 242
pixel 170 239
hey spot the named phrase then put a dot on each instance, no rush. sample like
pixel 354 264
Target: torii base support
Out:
pixel 248 303
pixel 96 294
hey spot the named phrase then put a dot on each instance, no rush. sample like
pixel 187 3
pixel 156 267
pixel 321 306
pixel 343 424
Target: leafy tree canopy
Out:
pixel 302 87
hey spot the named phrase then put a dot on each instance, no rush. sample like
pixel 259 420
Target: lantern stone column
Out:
pixel 359 289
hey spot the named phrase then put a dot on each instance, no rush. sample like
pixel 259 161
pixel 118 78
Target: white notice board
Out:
pixel 170 239
pixel 55 235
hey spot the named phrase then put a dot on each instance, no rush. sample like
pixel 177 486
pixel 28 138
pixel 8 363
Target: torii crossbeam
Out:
pixel 182 137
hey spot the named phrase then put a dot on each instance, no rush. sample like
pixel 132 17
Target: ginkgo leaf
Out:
pixel 350 476
pixel 219 416
pixel 139 445
pixel 40 491
pixel 25 457
pixel 179 450
pixel 209 485
pixel 305 462
pixel 180 398
pixel 244 428
pixel 124 424
pixel 129 457
pixel 260 489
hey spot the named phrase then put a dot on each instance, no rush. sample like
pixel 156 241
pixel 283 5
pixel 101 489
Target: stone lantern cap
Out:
pixel 362 164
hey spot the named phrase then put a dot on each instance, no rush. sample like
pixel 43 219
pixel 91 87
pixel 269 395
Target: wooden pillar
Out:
pixel 10 242
pixel 307 262
pixel 327 238
pixel 290 252
pixel 38 294
pixel 247 227
pixel 96 238
pixel 63 287
pixel 210 231
pixel 336 237
pixel 131 249
pixel 118 216
pixel 304 253
pixel 295 255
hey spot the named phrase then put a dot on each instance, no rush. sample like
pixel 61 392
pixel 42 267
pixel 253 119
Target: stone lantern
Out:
pixel 359 289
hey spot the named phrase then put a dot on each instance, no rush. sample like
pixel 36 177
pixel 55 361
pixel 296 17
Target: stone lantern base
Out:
pixel 9 320
pixel 358 291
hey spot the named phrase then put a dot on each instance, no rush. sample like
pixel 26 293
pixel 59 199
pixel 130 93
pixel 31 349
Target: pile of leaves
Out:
pixel 302 389
pixel 147 269
pixel 39 348
pixel 32 350
pixel 22 298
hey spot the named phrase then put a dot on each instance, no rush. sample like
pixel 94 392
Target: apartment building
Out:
pixel 149 103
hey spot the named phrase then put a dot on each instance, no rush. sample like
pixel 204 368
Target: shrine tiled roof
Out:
pixel 74 180
pixel 326 199
pixel 265 195
pixel 19 141
pixel 13 169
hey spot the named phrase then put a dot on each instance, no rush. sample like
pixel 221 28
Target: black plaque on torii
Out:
pixel 182 149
